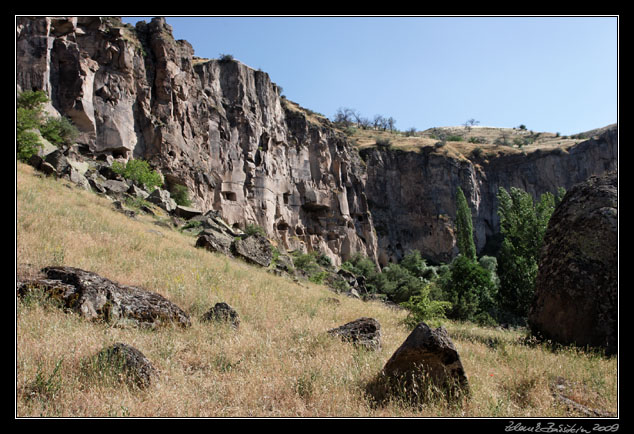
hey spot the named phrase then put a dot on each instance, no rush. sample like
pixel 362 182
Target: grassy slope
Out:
pixel 279 363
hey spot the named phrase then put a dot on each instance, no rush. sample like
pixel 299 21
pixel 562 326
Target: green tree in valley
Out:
pixel 464 227
pixel 523 224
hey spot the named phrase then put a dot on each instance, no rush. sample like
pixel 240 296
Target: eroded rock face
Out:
pixel 412 195
pixel 222 130
pixel 576 291
pixel 217 127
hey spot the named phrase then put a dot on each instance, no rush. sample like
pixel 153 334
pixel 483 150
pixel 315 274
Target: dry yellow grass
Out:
pixel 279 363
pixel 462 149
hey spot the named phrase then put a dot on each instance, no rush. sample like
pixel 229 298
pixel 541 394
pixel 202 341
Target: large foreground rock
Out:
pixel 576 290
pixel 425 365
pixel 97 298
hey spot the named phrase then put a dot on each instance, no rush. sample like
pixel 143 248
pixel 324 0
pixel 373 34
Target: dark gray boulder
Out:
pixel 223 312
pixel 364 332
pixel 125 363
pixel 426 365
pixel 97 298
pixel 255 249
pixel 576 290
pixel 215 241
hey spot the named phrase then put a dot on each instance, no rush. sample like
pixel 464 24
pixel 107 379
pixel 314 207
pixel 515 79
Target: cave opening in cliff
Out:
pixel 229 195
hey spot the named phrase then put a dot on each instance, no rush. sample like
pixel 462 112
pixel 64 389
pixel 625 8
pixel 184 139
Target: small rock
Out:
pixel 187 212
pixel 163 199
pixel 223 312
pixel 127 363
pixel 363 331
pixel 47 168
pixel 115 187
pixel 215 242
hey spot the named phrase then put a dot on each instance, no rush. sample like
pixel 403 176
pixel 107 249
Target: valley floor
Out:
pixel 279 363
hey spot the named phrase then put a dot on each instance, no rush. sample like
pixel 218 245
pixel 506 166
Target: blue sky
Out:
pixel 555 74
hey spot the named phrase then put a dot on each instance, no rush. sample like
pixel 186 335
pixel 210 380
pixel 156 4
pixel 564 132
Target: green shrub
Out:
pixel 30 117
pixel 59 131
pixel 422 308
pixel 384 143
pixel 454 138
pixel 32 99
pixel 470 288
pixel 140 172
pixel 477 140
pixel 224 58
pixel 318 277
pixel 253 229
pixel 180 194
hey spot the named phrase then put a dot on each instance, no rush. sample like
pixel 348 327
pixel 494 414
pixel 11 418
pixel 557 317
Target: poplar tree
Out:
pixel 464 227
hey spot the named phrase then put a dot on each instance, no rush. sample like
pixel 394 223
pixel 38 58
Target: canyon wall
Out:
pixel 218 127
pixel 412 195
pixel 221 129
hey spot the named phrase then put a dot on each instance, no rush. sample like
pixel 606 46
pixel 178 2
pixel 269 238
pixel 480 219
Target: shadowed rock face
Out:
pixel 576 293
pixel 412 195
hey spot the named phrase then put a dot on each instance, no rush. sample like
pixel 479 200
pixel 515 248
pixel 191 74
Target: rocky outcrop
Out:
pixel 576 291
pixel 217 127
pixel 412 195
pixel 99 299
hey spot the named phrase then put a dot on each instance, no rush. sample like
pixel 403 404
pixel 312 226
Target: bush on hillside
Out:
pixel 180 194
pixel 30 118
pixel 139 171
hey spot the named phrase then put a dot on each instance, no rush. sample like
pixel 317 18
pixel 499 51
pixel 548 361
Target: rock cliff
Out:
pixel 221 129
pixel 218 127
pixel 412 195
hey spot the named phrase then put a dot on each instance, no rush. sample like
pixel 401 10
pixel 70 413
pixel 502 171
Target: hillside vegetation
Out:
pixel 280 362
